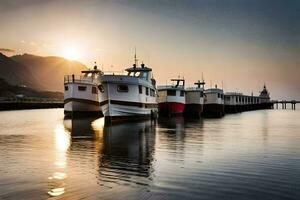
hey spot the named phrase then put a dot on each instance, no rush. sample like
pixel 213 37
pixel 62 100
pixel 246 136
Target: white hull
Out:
pixel 86 100
pixel 114 110
pixel 75 106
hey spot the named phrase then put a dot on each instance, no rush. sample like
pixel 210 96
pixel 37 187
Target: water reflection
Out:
pixel 128 153
pixel 84 128
pixel 57 179
pixel 122 152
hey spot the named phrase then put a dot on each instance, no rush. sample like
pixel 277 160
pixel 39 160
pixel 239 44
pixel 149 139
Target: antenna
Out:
pixel 202 77
pixel 222 85
pixel 135 59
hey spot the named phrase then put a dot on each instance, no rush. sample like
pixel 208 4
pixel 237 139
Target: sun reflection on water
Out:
pixel 62 143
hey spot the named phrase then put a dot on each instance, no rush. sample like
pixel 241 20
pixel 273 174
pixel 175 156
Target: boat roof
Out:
pixel 91 71
pixel 169 87
pixel 214 90
pixel 134 68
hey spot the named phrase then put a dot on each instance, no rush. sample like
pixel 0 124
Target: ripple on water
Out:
pixel 252 155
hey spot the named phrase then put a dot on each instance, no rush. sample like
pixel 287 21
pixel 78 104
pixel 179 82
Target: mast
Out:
pixel 135 58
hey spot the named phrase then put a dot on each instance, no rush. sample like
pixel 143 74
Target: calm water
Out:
pixel 253 155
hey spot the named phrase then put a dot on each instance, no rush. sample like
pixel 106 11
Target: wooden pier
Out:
pixel 284 103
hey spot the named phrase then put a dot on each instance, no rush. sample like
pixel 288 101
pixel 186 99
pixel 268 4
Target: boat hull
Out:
pixel 214 110
pixel 81 107
pixel 124 110
pixel 171 108
pixel 193 110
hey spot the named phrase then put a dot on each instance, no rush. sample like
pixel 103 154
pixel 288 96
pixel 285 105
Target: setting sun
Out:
pixel 71 52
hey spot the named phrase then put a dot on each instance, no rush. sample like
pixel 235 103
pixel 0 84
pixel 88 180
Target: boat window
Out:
pixel 147 91
pixel 182 93
pixel 66 88
pixel 171 92
pixel 140 89
pixel 101 88
pixel 219 95
pixel 122 88
pixel 137 74
pixel 145 75
pixel 201 94
pixel 81 88
pixel 94 90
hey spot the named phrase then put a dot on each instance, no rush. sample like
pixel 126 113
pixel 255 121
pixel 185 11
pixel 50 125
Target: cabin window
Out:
pixel 66 88
pixel 201 94
pixel 94 90
pixel 101 88
pixel 147 91
pixel 182 93
pixel 122 88
pixel 171 92
pixel 219 95
pixel 81 88
pixel 140 89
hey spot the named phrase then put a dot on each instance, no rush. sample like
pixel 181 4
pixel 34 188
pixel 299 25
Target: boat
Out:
pixel 128 96
pixel 194 97
pixel 171 98
pixel 81 94
pixel 214 102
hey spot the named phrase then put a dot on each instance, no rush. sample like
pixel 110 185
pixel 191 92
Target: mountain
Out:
pixel 16 73
pixel 49 71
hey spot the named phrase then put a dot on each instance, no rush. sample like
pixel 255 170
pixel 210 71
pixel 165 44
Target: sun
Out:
pixel 71 52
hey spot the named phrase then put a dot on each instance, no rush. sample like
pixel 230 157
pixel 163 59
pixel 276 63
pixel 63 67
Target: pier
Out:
pixel 21 104
pixel 284 104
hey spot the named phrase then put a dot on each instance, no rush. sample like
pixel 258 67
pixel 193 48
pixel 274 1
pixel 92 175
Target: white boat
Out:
pixel 194 97
pixel 171 98
pixel 128 96
pixel 214 102
pixel 81 93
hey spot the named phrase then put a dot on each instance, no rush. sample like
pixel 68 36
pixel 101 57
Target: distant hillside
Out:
pixel 11 91
pixel 49 71
pixel 16 73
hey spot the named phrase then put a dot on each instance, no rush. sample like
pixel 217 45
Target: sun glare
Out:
pixel 71 52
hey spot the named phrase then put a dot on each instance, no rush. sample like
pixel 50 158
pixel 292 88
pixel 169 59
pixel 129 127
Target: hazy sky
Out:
pixel 242 42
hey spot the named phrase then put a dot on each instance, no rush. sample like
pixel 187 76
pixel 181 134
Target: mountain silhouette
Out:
pixel 42 73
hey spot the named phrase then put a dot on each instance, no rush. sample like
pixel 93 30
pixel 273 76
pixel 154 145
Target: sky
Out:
pixel 242 43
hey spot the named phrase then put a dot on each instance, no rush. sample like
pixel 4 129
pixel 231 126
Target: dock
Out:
pixel 22 105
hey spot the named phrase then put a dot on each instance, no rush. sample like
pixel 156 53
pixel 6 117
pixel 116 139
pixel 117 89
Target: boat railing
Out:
pixel 77 79
pixel 115 73
pixel 169 87
pixel 194 89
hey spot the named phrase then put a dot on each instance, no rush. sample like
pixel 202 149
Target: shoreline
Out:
pixel 29 105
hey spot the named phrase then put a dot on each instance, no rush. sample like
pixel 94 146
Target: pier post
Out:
pixel 293 105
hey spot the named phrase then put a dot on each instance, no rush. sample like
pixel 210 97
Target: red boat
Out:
pixel 171 98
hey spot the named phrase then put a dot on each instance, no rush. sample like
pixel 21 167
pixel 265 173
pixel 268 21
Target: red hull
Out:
pixel 171 108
